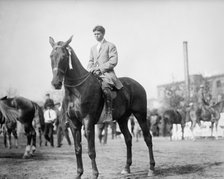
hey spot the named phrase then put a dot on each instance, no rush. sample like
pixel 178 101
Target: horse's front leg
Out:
pixel 77 136
pixel 90 136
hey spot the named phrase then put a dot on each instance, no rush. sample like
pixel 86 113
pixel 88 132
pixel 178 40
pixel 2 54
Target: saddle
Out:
pixel 114 90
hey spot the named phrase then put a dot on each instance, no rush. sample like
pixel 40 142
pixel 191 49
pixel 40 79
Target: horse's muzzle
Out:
pixel 57 85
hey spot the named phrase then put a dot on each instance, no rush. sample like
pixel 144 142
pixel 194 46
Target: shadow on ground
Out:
pixel 172 171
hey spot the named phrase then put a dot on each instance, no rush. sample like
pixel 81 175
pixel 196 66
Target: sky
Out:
pixel 148 35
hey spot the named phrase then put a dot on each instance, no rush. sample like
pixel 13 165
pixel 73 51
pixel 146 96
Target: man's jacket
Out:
pixel 106 59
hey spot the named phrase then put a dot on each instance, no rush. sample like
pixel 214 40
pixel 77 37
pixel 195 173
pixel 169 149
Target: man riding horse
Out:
pixel 204 102
pixel 103 59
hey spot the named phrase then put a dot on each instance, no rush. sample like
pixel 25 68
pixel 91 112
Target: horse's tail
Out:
pixel 40 115
pixel 10 114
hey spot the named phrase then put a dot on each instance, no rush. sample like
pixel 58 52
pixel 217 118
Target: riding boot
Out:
pixel 108 102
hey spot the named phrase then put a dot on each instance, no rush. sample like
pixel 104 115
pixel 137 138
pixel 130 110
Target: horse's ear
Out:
pixel 4 98
pixel 52 42
pixel 67 42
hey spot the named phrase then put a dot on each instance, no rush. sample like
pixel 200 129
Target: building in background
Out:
pixel 214 85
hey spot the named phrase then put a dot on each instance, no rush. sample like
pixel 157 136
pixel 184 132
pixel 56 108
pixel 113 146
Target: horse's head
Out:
pixel 59 61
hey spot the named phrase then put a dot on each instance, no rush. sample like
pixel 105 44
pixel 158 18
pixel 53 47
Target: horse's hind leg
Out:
pixel 216 129
pixel 9 133
pixel 15 137
pixel 31 134
pixel 128 140
pixel 182 128
pixel 40 136
pixel 5 136
pixel 105 134
pixel 141 117
pixel 212 126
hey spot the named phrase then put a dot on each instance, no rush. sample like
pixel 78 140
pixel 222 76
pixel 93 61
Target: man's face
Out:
pixel 98 35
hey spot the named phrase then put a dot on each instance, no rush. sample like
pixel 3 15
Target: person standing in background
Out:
pixel 49 119
pixel 48 102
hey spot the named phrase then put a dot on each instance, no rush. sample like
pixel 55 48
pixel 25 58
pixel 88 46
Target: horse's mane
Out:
pixel 10 114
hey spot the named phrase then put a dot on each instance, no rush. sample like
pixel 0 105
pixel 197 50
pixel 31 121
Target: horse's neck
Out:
pixel 219 106
pixel 77 69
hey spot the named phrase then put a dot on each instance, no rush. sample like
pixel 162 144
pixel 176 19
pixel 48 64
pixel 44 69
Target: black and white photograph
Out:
pixel 111 89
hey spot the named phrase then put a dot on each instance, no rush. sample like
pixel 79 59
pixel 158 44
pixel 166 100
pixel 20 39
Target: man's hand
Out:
pixel 95 71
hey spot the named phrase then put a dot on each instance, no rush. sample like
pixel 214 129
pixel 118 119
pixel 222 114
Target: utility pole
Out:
pixel 186 72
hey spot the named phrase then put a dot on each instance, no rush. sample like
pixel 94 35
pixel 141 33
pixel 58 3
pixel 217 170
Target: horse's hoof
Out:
pixel 151 173
pixel 26 156
pixel 125 171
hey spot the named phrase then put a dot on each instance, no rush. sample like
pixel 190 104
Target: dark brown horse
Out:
pixel 23 110
pixel 172 116
pixel 84 102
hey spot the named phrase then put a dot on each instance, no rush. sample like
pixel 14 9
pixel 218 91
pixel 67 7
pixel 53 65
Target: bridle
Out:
pixel 72 81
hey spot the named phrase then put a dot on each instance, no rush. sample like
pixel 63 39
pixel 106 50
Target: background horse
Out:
pixel 23 110
pixel 206 114
pixel 154 120
pixel 84 102
pixel 172 116
pixel 217 108
pixel 9 127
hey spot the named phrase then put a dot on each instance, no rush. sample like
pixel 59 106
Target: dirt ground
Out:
pixel 203 158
